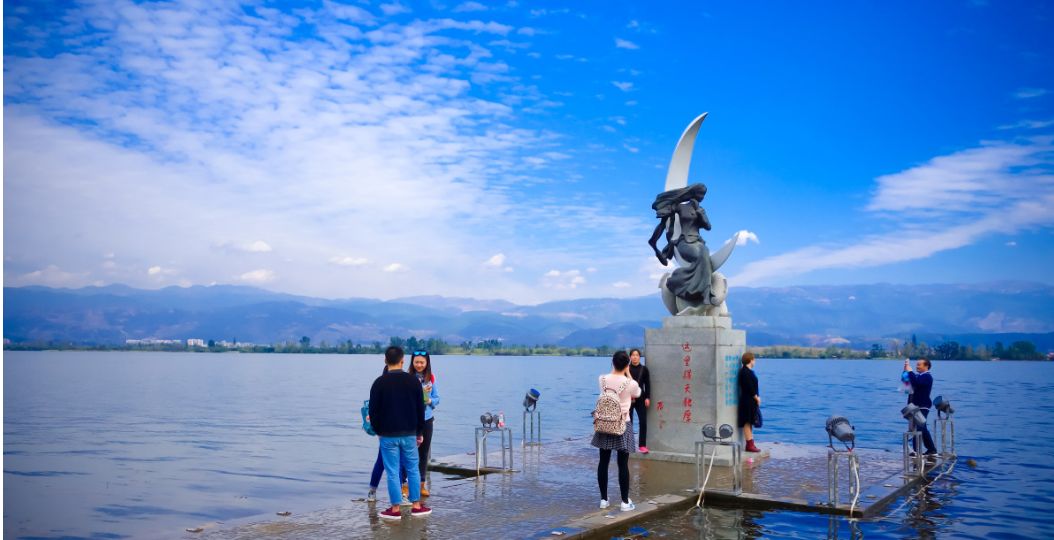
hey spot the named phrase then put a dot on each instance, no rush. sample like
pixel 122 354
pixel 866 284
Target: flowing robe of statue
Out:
pixel 695 287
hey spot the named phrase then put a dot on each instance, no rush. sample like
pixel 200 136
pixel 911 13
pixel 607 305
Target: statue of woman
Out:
pixel 690 282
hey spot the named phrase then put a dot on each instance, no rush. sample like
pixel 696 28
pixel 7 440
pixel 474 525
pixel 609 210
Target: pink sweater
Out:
pixel 632 390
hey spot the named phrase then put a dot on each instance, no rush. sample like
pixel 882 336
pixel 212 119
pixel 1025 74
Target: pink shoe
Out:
pixel 643 449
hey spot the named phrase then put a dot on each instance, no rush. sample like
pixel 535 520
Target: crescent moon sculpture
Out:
pixel 695 287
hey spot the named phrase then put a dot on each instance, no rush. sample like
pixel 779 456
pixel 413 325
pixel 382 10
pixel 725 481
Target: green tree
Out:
pixel 305 342
pixel 1023 350
pixel 998 351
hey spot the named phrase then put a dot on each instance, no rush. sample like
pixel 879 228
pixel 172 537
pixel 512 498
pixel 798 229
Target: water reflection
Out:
pixel 835 524
pixel 723 524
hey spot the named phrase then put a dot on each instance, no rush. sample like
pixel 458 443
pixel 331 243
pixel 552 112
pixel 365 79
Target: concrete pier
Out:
pixel 554 495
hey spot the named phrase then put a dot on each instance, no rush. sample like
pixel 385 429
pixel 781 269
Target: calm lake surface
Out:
pixel 114 445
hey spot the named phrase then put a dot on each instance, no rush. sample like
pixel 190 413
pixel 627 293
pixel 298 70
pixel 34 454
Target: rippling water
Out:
pixel 111 445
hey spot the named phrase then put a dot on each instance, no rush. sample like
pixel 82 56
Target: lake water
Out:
pixel 113 445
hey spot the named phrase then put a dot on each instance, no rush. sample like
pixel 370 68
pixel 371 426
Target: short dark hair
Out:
pixel 635 350
pixel 748 357
pixel 620 360
pixel 929 365
pixel 393 355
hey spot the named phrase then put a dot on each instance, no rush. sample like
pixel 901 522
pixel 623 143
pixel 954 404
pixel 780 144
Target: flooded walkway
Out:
pixel 553 494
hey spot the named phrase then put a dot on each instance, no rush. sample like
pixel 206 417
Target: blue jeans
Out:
pixel 396 452
pixel 378 469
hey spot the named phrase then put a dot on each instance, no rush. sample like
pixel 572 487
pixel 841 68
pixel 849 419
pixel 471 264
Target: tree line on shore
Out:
pixel 913 348
pixel 950 350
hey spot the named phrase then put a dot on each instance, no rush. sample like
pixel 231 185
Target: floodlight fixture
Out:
pixel 487 419
pixel 838 427
pixel 943 406
pixel 712 433
pixel 530 401
pixel 912 413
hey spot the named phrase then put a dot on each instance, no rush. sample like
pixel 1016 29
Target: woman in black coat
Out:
pixel 749 401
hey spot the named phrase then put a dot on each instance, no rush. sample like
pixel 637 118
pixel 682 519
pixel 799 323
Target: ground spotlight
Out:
pixel 943 406
pixel 487 419
pixel 723 432
pixel 912 413
pixel 530 401
pixel 838 427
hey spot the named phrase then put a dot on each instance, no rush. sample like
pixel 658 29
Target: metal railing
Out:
pixel 481 447
pixel 737 465
pixel 534 436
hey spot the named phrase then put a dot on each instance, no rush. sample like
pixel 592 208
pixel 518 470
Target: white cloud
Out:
pixel 620 285
pixel 1029 93
pixel 212 124
pixel 625 44
pixel 1028 124
pixel 257 246
pixel 349 13
pixel 1011 244
pixel 568 279
pixel 744 237
pixel 623 85
pixel 497 261
pixel 395 267
pixel 258 277
pixel 349 261
pixel 394 8
pixel 51 276
pixel 947 203
pixel 159 273
pixel 469 7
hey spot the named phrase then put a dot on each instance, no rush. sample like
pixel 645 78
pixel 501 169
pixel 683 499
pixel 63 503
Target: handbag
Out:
pixel 757 416
pixel 366 426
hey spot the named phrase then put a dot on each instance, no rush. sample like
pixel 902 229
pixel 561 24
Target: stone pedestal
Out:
pixel 694 362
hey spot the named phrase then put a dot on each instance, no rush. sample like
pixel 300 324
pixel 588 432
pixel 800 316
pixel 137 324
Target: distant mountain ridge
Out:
pixel 811 315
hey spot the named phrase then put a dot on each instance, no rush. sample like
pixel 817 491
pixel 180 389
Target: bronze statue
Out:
pixel 681 207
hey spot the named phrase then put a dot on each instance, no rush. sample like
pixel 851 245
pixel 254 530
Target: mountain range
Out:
pixel 844 315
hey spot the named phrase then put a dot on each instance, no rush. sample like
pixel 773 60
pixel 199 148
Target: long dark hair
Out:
pixel 427 373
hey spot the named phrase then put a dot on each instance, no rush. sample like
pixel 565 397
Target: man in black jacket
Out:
pixel 639 372
pixel 397 413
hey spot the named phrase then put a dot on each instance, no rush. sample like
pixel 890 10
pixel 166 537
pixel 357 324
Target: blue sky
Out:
pixel 512 150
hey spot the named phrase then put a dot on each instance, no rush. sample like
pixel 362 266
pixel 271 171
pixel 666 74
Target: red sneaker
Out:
pixel 391 514
pixel 643 449
pixel 422 511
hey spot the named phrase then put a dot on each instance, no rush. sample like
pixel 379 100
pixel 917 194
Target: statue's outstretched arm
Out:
pixel 654 240
pixel 703 220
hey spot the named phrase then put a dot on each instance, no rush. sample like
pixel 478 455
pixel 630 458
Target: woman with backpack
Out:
pixel 612 427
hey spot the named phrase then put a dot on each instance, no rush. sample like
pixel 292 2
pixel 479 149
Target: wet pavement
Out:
pixel 555 490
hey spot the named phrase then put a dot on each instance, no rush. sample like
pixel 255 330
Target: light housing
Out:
pixel 912 413
pixel 712 433
pixel 943 406
pixel 530 401
pixel 487 419
pixel 838 427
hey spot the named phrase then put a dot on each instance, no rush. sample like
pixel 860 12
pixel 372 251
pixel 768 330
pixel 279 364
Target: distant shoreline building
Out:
pixel 153 341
